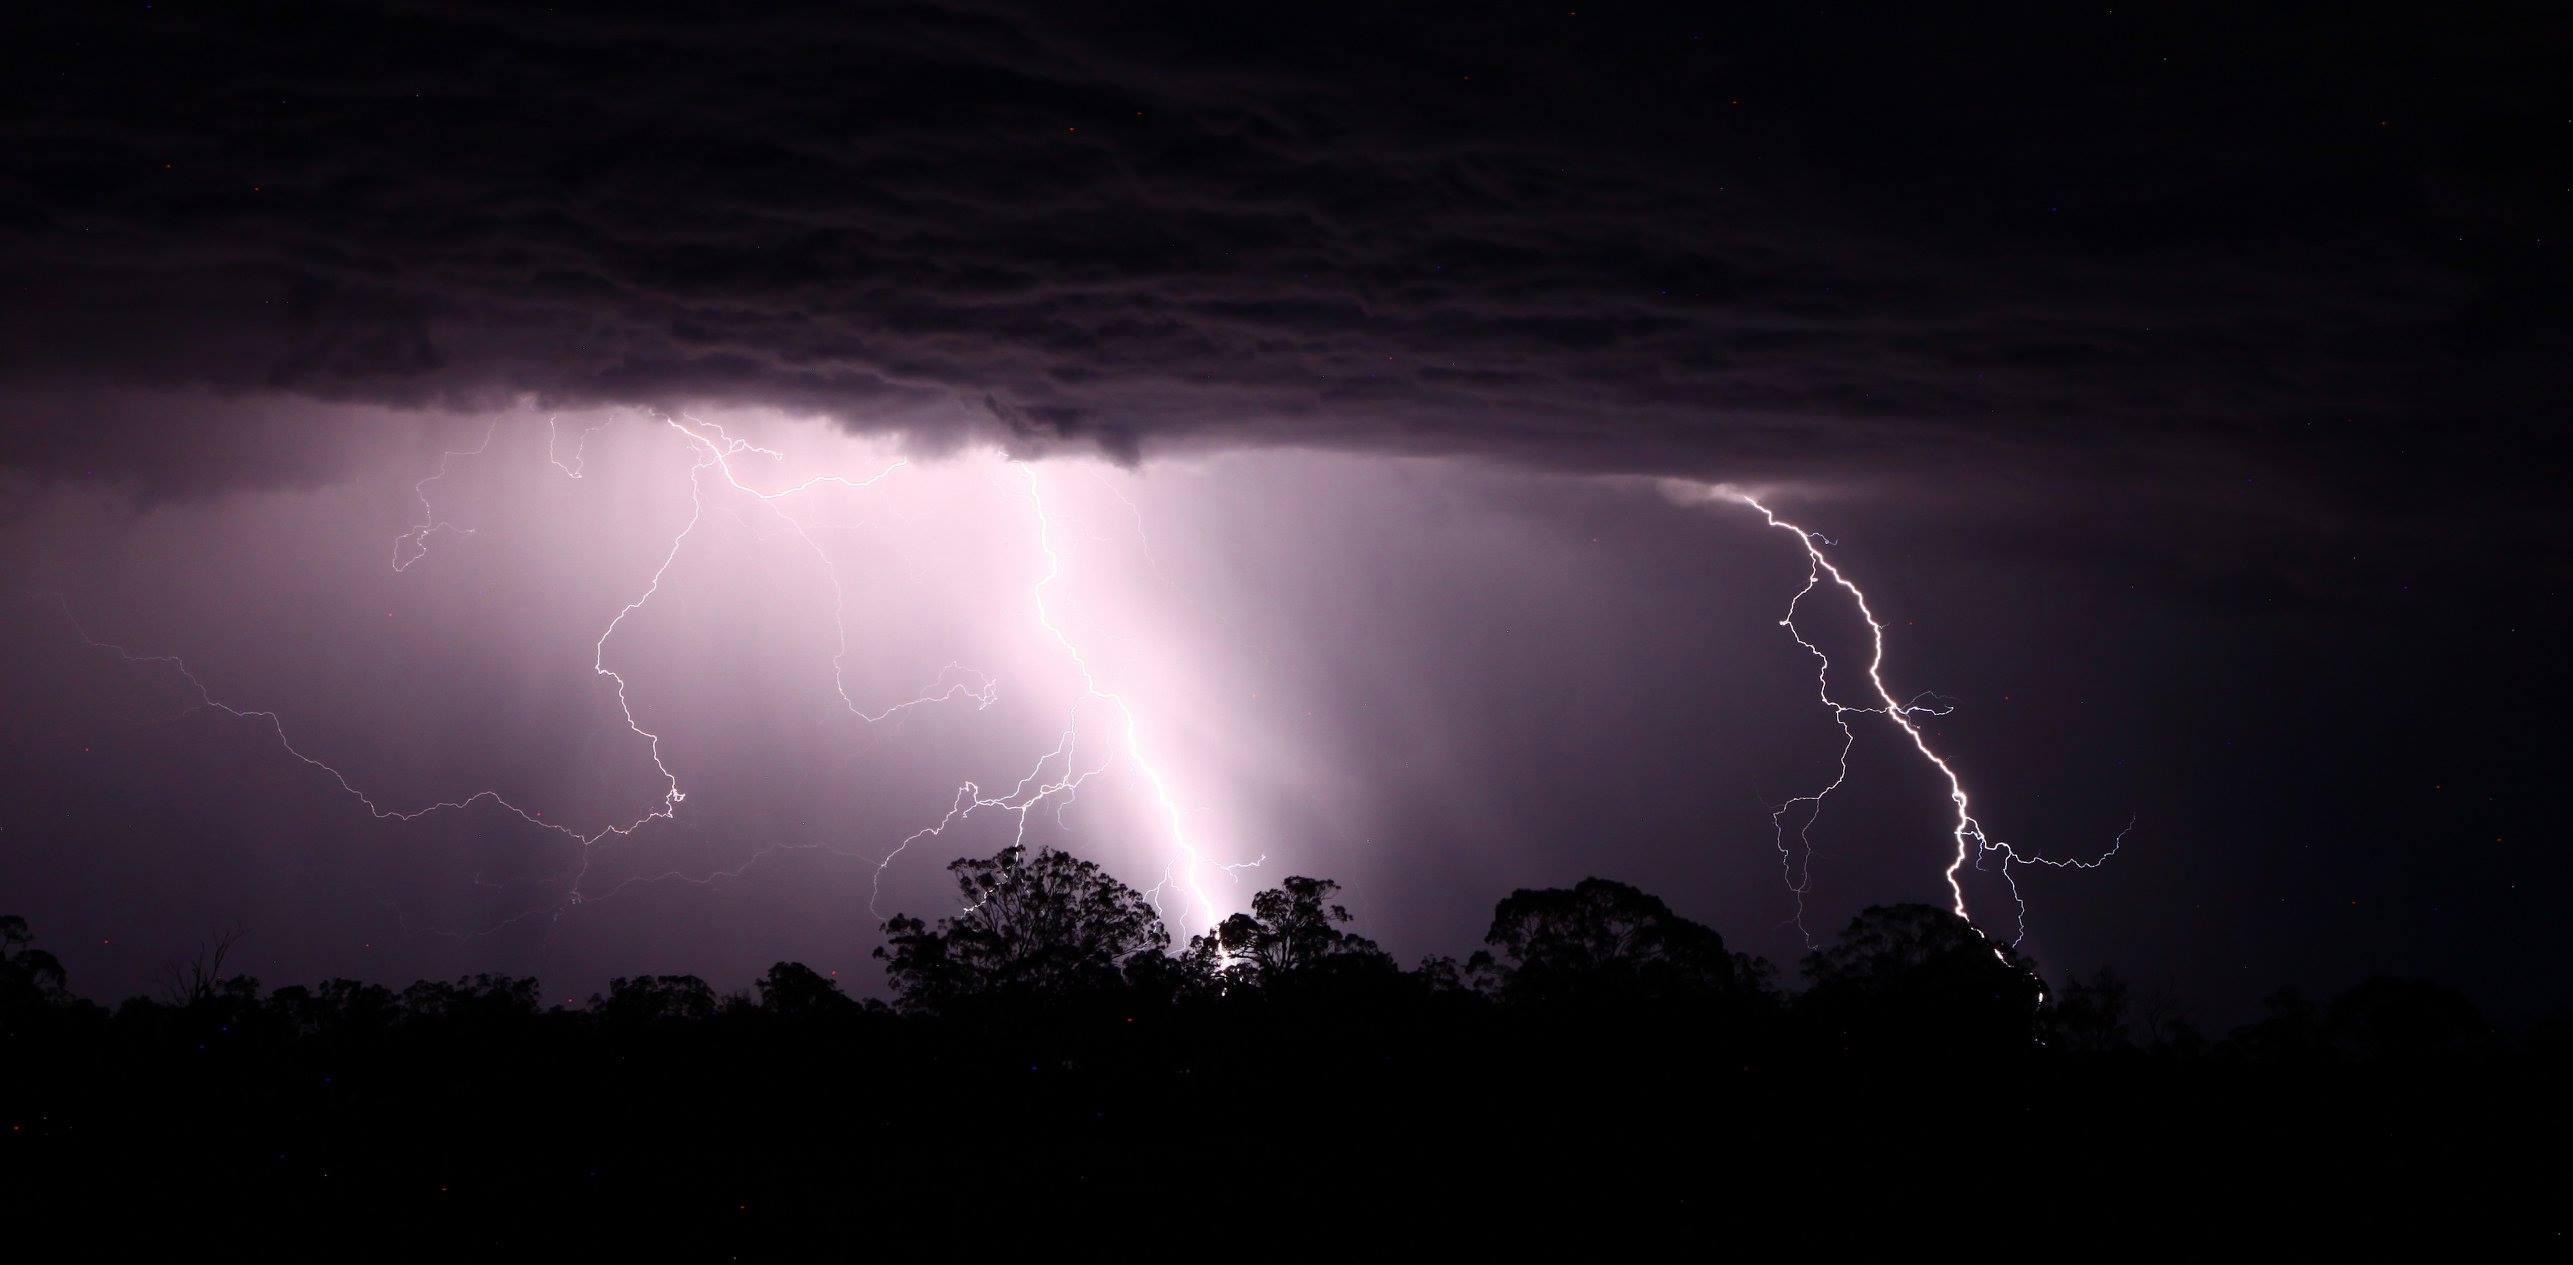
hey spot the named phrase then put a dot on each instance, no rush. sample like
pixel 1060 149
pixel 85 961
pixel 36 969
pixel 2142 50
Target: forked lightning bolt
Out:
pixel 1056 776
pixel 1972 844
pixel 413 545
pixel 1175 820
pixel 1037 787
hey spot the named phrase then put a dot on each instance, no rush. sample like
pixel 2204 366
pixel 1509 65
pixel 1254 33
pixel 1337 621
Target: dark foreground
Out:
pixel 1607 1082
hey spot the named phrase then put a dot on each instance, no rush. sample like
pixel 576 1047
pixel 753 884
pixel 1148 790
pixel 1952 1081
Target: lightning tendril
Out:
pixel 1054 779
pixel 1972 843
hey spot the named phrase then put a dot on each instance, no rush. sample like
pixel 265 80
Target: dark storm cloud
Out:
pixel 1762 247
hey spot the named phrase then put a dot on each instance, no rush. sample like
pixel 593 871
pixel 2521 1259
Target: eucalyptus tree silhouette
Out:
pixel 792 990
pixel 2088 1015
pixel 1602 942
pixel 475 1001
pixel 33 986
pixel 1044 926
pixel 199 980
pixel 340 1006
pixel 655 999
pixel 1919 977
pixel 1292 933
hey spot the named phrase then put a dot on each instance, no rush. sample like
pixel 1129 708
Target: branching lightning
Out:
pixel 1055 778
pixel 417 546
pixel 1053 781
pixel 580 447
pixel 1152 775
pixel 1061 788
pixel 1972 843
pixel 413 545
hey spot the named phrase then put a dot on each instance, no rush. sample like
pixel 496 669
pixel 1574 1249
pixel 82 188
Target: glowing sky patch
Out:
pixel 627 671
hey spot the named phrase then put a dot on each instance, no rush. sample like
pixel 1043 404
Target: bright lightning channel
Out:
pixel 1153 777
pixel 1061 789
pixel 1972 844
pixel 717 450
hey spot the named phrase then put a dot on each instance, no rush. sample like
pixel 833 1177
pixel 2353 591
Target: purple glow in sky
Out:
pixel 608 680
pixel 2183 398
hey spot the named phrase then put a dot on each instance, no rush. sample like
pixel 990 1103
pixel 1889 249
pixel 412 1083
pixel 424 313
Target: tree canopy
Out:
pixel 1047 925
pixel 1292 931
pixel 1917 974
pixel 1043 1028
pixel 1604 940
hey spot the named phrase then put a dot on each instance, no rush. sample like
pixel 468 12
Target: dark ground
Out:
pixel 1927 1102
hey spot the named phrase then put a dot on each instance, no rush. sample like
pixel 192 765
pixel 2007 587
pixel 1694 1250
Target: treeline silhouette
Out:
pixel 1052 1066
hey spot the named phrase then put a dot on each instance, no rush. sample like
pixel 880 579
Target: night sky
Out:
pixel 2185 386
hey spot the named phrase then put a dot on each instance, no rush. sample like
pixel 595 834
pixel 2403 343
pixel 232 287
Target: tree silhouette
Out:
pixel 199 979
pixel 792 990
pixel 31 979
pixel 1599 1024
pixel 1601 941
pixel 2088 1015
pixel 340 1006
pixel 1919 976
pixel 2289 1030
pixel 480 1001
pixel 1292 930
pixel 1046 926
pixel 1478 975
pixel 655 999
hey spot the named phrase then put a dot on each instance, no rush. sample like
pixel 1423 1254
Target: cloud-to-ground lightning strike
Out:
pixel 1020 800
pixel 1056 776
pixel 1152 774
pixel 1971 841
